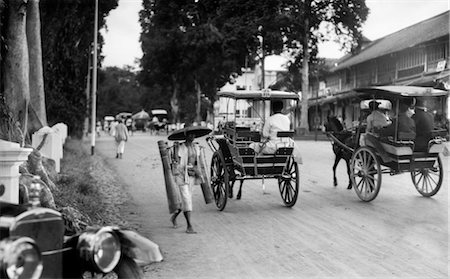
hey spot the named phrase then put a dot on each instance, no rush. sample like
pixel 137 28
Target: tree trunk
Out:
pixel 17 91
pixel 304 126
pixel 198 117
pixel 174 100
pixel 37 117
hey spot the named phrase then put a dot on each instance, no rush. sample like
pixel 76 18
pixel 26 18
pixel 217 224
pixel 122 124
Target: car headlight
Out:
pixel 100 250
pixel 20 258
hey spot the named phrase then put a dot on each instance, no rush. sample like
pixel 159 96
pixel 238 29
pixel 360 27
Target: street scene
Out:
pixel 224 139
pixel 329 233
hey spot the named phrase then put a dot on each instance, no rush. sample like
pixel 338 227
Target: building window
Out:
pixel 436 53
pixel 411 62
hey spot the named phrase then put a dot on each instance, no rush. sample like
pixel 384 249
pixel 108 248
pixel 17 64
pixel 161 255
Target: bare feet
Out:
pixel 173 219
pixel 190 230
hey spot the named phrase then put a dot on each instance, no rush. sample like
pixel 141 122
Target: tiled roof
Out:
pixel 424 31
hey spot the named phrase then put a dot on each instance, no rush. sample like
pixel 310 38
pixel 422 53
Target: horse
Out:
pixel 335 127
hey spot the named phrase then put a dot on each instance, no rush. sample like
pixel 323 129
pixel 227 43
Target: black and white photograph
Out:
pixel 182 139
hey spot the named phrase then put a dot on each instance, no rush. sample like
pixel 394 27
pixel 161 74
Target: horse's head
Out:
pixel 333 124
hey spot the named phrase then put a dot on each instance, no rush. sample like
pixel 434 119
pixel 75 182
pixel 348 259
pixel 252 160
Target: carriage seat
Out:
pixel 247 136
pixel 391 146
pixel 436 144
pixel 262 164
pixel 286 139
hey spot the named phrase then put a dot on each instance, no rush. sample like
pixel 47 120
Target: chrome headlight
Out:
pixel 100 250
pixel 20 258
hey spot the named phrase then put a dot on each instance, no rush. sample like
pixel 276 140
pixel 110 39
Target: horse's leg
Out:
pixel 347 161
pixel 336 162
pixel 240 191
pixel 230 192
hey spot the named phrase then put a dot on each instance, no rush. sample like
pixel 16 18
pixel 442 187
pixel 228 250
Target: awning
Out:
pixel 141 115
pixel 432 80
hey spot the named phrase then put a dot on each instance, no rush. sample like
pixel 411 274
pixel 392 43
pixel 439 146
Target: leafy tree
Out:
pixel 68 27
pixel 15 67
pixel 118 92
pixel 304 20
pixel 67 30
pixel 37 110
pixel 196 45
pixel 162 60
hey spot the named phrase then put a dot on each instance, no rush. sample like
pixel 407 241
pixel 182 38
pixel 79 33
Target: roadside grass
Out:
pixel 88 185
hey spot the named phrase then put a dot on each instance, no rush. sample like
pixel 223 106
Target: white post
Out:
pixel 94 81
pixel 11 157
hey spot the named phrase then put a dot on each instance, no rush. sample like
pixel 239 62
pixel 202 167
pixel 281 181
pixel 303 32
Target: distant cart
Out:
pixel 141 120
pixel 158 120
pixel 123 116
pixel 107 120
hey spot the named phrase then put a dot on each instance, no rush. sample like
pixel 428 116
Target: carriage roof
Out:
pixel 158 111
pixel 398 91
pixel 259 94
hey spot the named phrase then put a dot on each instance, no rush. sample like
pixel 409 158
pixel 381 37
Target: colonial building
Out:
pixel 416 55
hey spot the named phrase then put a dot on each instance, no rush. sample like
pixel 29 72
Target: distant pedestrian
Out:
pixel 112 128
pixel 129 124
pixel 98 128
pixel 121 136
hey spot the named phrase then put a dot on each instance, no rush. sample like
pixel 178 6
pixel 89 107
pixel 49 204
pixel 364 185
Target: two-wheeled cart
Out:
pixel 233 158
pixel 399 155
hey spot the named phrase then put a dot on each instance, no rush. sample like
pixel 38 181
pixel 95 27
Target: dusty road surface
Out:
pixel 329 233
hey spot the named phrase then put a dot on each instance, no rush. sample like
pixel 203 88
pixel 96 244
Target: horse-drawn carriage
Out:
pixel 233 157
pixel 369 159
pixel 158 121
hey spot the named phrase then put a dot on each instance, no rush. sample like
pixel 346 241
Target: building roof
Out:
pixel 424 31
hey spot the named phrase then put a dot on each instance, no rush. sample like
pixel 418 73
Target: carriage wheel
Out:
pixel 428 180
pixel 219 180
pixel 365 174
pixel 288 183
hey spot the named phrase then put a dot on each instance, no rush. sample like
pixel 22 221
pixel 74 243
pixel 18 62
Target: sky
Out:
pixel 122 46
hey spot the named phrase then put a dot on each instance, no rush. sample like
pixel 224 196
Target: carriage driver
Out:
pixel 275 123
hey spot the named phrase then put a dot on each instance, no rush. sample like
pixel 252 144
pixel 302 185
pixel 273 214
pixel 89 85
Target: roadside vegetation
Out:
pixel 86 184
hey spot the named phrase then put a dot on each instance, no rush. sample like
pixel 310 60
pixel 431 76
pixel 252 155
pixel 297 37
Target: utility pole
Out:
pixel 263 73
pixel 94 81
pixel 88 92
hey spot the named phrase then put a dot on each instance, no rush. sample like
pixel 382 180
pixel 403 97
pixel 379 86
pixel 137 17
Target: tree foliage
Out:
pixel 305 20
pixel 193 46
pixel 68 33
pixel 118 92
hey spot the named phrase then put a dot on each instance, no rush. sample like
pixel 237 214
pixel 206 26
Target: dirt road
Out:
pixel 329 233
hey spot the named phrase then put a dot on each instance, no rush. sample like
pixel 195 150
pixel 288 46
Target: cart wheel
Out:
pixel 219 180
pixel 288 183
pixel 365 173
pixel 428 181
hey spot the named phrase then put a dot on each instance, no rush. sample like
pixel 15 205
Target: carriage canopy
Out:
pixel 249 108
pixel 259 95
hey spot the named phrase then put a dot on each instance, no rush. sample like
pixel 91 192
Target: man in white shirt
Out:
pixel 275 123
pixel 377 119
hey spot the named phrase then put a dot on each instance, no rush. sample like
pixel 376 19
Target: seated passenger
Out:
pixel 275 123
pixel 406 129
pixel 424 125
pixel 376 119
